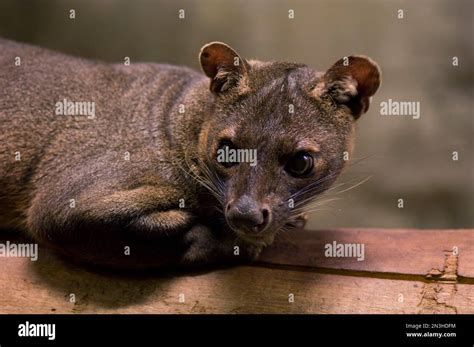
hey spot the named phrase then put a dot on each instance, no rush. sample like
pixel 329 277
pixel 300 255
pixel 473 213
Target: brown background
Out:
pixel 407 158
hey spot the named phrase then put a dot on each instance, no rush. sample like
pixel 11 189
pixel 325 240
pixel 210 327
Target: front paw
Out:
pixel 251 251
pixel 201 246
pixel 298 222
pixel 204 247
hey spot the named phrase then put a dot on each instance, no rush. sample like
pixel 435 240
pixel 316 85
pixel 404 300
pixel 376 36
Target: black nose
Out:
pixel 248 215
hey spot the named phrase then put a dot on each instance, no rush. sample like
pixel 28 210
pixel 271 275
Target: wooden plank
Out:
pixel 45 287
pixel 402 251
pixel 387 281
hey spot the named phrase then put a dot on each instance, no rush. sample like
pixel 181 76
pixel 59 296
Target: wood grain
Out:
pixel 402 251
pixel 379 284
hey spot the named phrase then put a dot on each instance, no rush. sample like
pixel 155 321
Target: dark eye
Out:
pixel 300 164
pixel 223 154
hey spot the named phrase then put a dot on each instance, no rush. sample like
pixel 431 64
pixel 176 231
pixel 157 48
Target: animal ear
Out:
pixel 223 65
pixel 351 82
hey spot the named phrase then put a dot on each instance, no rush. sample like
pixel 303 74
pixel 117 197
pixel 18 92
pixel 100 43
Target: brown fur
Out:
pixel 135 203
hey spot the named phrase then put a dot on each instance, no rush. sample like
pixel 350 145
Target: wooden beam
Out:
pixel 290 278
pixel 401 251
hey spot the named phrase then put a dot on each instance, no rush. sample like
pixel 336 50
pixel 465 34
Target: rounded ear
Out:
pixel 351 82
pixel 223 65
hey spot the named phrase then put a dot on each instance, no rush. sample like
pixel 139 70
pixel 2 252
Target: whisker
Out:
pixel 311 204
pixel 208 180
pixel 327 177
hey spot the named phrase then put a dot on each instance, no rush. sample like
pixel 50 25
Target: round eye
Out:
pixel 300 164
pixel 223 154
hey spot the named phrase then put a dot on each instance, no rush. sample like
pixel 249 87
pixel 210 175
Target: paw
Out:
pixel 201 245
pixel 251 251
pixel 299 222
pixel 161 223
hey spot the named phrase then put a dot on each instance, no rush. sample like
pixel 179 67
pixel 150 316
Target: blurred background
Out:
pixel 409 159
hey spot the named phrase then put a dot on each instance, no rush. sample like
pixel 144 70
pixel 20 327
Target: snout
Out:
pixel 248 216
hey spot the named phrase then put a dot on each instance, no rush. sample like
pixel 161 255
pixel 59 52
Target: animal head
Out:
pixel 278 134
